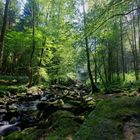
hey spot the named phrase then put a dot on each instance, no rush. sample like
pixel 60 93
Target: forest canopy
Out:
pixel 54 41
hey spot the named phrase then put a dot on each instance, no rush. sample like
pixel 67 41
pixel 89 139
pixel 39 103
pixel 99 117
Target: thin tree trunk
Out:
pixel 93 86
pixel 109 63
pixel 95 66
pixel 33 46
pixel 118 70
pixel 95 61
pixel 139 30
pixel 138 23
pixel 104 65
pixel 122 49
pixel 3 30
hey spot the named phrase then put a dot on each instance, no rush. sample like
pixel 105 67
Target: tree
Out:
pixel 3 29
pixel 93 86
pixel 33 44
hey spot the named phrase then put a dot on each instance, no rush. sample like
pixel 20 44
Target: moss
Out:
pixel 59 125
pixel 14 136
pixel 63 128
pixel 91 104
pixel 106 121
pixel 17 89
pixel 63 125
pixel 6 90
pixel 29 133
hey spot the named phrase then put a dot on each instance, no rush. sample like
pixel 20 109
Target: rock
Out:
pixel 43 98
pixel 132 129
pixel 60 114
pixel 133 94
pixel 13 120
pixel 10 114
pixel 47 108
pixel 2 102
pixel 7 129
pixel 2 116
pixel 62 124
pixel 89 99
pixel 3 111
pixel 91 104
pixel 13 107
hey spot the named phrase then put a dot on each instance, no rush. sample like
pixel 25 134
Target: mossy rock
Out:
pixel 27 134
pixel 62 125
pixel 107 120
pixel 14 136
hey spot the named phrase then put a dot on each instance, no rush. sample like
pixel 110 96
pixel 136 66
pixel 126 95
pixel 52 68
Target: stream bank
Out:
pixel 25 110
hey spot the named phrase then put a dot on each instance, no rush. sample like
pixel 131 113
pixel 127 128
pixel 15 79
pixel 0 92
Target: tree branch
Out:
pixel 113 16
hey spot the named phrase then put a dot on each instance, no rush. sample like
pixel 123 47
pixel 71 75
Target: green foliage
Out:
pixel 13 79
pixel 12 85
pixel 59 40
pixel 7 90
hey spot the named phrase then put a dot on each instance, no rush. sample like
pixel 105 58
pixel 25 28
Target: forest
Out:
pixel 69 69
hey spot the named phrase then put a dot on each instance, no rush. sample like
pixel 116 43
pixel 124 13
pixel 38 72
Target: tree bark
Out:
pixel 95 65
pixel 109 63
pixel 3 30
pixel 118 68
pixel 122 49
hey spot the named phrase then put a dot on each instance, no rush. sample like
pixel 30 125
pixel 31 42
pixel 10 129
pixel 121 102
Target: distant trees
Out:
pixel 58 38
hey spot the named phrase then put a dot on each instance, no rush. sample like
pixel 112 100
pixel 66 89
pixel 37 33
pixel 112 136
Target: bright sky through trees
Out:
pixel 86 7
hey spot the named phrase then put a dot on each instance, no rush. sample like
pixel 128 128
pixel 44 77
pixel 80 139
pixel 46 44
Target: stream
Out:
pixel 22 113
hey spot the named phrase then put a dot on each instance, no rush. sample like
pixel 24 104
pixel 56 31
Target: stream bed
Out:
pixel 24 110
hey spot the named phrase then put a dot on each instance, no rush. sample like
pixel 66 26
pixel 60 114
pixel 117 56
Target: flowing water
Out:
pixel 19 111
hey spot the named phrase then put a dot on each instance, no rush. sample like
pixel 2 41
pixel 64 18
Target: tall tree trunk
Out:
pixel 122 49
pixel 3 29
pixel 138 23
pixel 93 86
pixel 109 63
pixel 118 70
pixel 33 46
pixel 95 65
pixel 95 68
pixel 139 29
pixel 104 65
